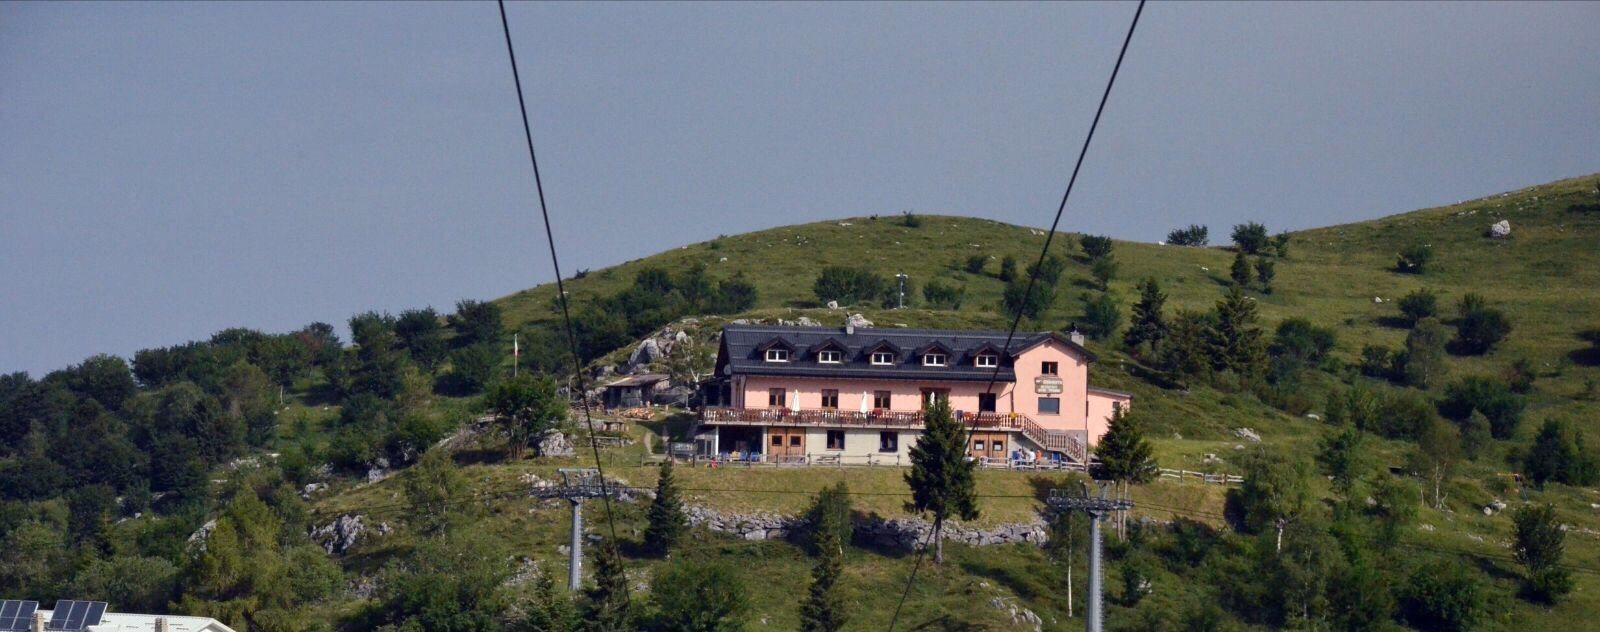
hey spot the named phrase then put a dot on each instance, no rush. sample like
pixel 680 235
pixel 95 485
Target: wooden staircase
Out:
pixel 1067 443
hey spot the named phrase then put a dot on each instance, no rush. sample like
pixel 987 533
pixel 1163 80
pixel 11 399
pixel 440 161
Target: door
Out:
pixel 988 445
pixel 986 402
pixel 786 441
pixel 931 395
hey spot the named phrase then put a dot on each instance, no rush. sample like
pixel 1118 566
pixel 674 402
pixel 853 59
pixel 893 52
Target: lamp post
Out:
pixel 901 278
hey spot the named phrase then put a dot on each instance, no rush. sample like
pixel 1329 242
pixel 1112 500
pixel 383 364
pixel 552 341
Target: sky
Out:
pixel 170 170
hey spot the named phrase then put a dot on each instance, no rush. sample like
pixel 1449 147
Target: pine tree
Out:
pixel 824 608
pixel 667 522
pixel 1149 324
pixel 609 607
pixel 551 610
pixel 1265 273
pixel 1240 273
pixel 1125 455
pixel 1235 340
pixel 941 478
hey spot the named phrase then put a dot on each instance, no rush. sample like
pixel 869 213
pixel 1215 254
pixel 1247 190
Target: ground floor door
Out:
pixel 988 445
pixel 786 441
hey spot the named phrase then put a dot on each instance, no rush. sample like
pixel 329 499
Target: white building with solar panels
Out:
pixel 94 616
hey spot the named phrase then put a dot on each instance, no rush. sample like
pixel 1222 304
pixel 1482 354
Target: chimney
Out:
pixel 38 622
pixel 161 624
pixel 1075 336
pixel 849 328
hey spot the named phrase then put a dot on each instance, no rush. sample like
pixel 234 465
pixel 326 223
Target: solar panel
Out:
pixel 16 615
pixel 73 615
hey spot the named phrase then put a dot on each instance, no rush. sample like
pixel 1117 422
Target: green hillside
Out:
pixel 109 470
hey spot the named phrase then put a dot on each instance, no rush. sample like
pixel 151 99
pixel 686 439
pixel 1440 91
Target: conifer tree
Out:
pixel 824 608
pixel 1240 273
pixel 1235 340
pixel 1125 455
pixel 609 607
pixel 667 522
pixel 941 478
pixel 1265 273
pixel 1149 324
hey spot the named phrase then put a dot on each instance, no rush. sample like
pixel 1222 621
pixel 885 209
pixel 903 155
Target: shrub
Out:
pixel 1250 238
pixel 1492 397
pixel 1558 454
pixel 1240 272
pixel 1539 547
pixel 1104 269
pixel 910 220
pixel 1096 246
pixel 939 295
pixel 699 596
pixel 1101 315
pixel 1479 327
pixel 1423 362
pixel 1018 300
pixel 1265 274
pixel 1280 244
pixel 1193 235
pixel 1419 304
pixel 1008 268
pixel 975 263
pixel 1413 258
pixel 848 285
pixel 1376 361
pixel 1442 595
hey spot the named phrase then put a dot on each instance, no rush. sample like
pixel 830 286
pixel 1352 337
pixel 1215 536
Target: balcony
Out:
pixel 892 419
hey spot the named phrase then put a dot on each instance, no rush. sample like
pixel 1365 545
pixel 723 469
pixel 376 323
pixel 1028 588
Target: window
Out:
pixel 880 400
pixel 933 359
pixel 985 402
pixel 882 358
pixel 1048 368
pixel 977 446
pixel 987 360
pixel 830 399
pixel 794 440
pixel 777 397
pixel 930 396
pixel 777 441
pixel 999 446
pixel 777 355
pixel 829 357
pixel 1049 405
pixel 888 442
pixel 835 439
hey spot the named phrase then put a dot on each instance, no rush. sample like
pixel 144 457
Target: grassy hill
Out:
pixel 1544 276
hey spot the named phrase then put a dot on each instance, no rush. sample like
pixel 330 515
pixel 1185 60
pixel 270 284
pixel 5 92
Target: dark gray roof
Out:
pixel 743 345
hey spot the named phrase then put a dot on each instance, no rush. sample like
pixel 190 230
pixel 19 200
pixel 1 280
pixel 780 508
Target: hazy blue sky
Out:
pixel 168 170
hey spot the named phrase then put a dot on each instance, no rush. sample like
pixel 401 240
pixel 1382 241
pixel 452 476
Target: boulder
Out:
pixel 833 304
pixel 806 322
pixel 647 352
pixel 1500 229
pixel 553 443
pixel 857 321
pixel 197 540
pixel 341 535
pixel 1247 434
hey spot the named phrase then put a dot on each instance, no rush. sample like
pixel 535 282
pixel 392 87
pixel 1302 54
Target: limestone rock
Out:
pixel 197 540
pixel 857 321
pixel 833 304
pixel 647 352
pixel 1247 434
pixel 553 443
pixel 806 322
pixel 341 535
pixel 1500 229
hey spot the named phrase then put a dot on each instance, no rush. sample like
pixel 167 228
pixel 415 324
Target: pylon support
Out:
pixel 1098 507
pixel 576 486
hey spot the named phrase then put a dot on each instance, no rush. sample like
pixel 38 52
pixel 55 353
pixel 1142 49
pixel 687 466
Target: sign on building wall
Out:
pixel 1047 385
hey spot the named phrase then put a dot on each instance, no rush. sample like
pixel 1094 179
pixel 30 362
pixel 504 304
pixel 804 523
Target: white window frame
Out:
pixel 829 357
pixel 927 359
pixel 777 355
pixel 987 361
pixel 887 355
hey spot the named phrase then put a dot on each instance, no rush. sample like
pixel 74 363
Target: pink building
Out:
pixel 856 395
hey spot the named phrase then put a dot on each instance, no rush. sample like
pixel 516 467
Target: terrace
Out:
pixel 1068 443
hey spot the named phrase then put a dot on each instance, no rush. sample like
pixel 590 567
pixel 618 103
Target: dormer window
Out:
pixel 829 357
pixel 987 361
pixel 882 358
pixel 934 359
pixel 777 355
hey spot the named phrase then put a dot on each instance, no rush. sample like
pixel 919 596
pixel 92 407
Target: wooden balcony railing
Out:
pixel 911 420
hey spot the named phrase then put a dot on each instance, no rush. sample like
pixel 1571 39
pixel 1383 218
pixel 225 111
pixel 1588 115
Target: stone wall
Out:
pixel 907 533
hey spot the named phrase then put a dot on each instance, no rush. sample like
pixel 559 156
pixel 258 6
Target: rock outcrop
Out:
pixel 1500 229
pixel 908 534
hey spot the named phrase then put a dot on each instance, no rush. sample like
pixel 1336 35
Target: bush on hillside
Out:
pixel 1049 270
pixel 1101 315
pixel 1422 363
pixel 975 263
pixel 1265 274
pixel 1008 268
pixel 1559 454
pixel 1479 327
pixel 849 285
pixel 1419 304
pixel 910 220
pixel 1018 300
pixel 1487 395
pixel 1250 238
pixel 1192 235
pixel 940 295
pixel 1414 258
pixel 1280 245
pixel 1104 270
pixel 1096 246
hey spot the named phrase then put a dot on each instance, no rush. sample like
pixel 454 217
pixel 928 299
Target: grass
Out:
pixel 1544 277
